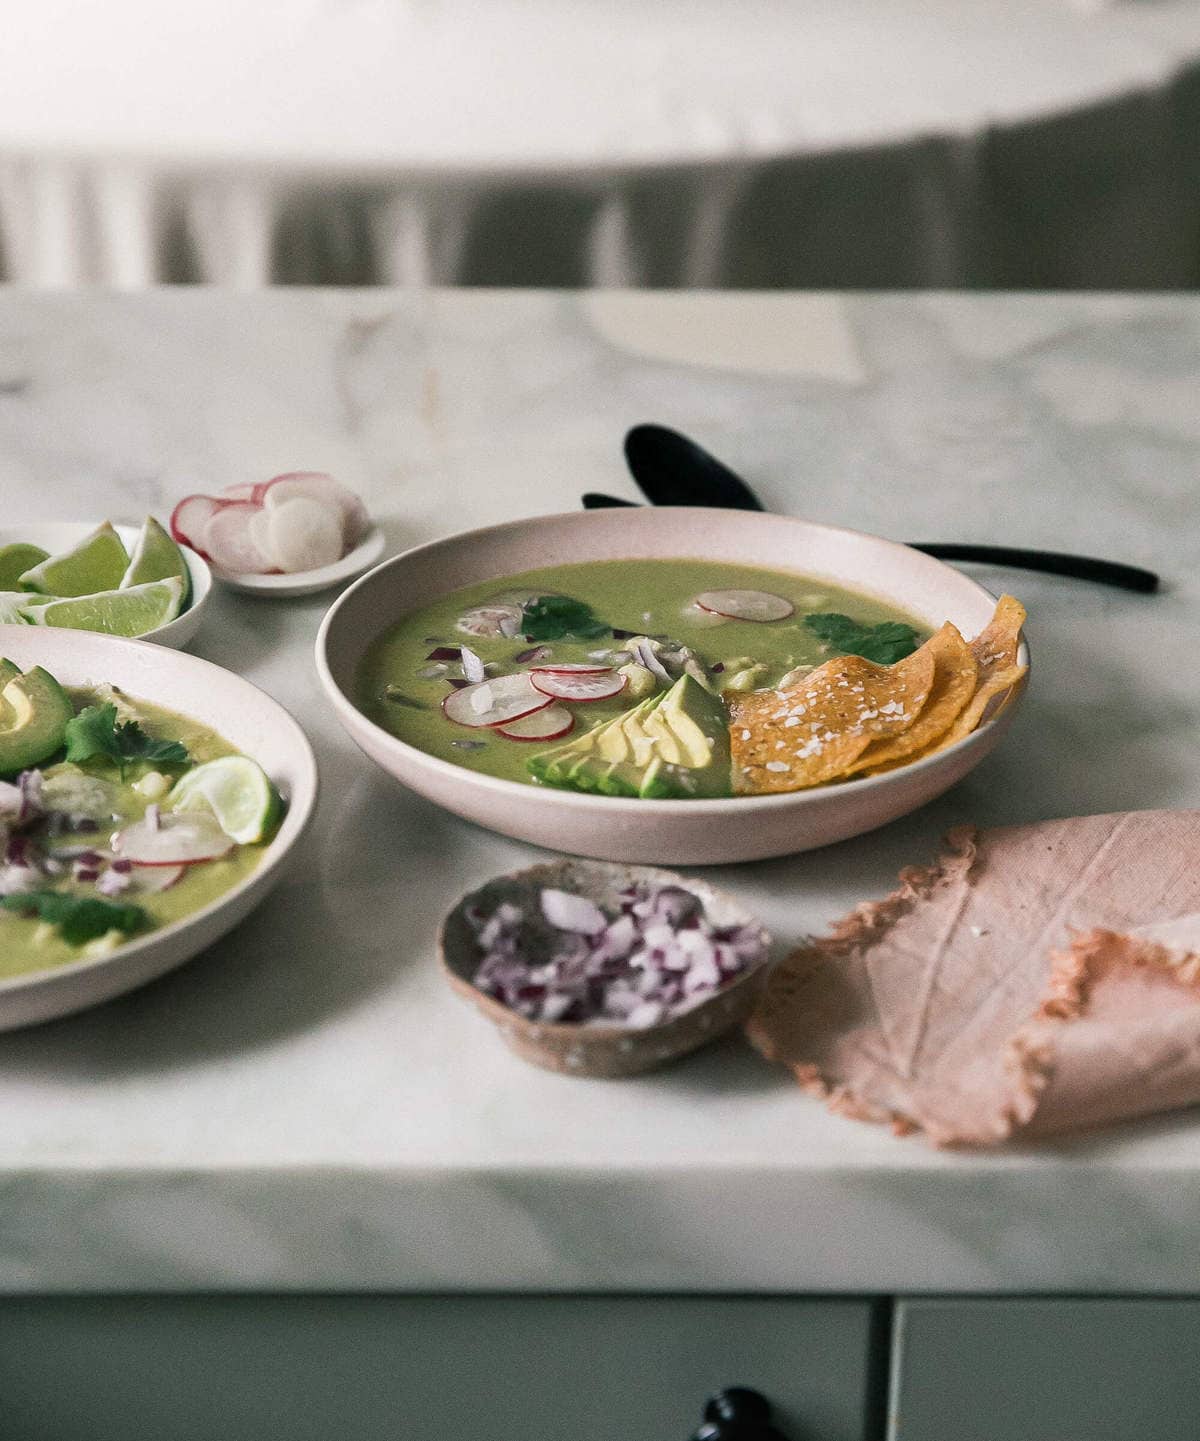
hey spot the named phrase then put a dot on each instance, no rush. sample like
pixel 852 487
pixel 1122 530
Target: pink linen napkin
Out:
pixel 1036 979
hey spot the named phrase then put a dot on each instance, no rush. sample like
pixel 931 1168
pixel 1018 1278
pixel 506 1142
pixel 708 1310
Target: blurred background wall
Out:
pixel 807 143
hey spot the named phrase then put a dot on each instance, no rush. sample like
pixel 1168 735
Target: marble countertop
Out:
pixel 307 1105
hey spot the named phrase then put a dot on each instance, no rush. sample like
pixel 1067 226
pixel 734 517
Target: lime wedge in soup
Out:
pixel 237 791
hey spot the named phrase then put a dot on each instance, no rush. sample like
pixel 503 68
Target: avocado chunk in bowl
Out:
pixel 671 746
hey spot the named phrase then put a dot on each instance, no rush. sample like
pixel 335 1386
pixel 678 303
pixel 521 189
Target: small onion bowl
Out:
pixel 600 1049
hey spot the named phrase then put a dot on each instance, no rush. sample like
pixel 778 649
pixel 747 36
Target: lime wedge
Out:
pixel 16 559
pixel 156 557
pixel 11 607
pixel 131 612
pixel 97 563
pixel 237 791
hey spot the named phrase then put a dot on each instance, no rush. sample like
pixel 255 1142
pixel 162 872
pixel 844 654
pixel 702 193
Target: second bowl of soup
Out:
pixel 677 685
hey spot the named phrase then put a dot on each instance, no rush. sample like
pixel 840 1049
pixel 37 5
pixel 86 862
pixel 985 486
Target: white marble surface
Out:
pixel 307 1105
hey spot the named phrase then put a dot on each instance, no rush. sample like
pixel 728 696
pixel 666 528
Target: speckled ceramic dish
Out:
pixel 248 719
pixel 601 1050
pixel 59 536
pixel 680 832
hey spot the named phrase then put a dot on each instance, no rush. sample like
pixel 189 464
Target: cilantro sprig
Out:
pixel 95 731
pixel 560 617
pixel 884 644
pixel 79 918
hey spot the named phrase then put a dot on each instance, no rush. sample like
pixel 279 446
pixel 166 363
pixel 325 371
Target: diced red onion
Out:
pixel 656 955
pixel 570 912
pixel 472 666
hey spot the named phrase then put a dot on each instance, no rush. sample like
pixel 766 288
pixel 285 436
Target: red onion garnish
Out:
pixel 444 652
pixel 534 652
pixel 653 956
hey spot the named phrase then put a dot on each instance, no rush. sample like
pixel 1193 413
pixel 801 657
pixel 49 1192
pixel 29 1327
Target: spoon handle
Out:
pixel 593 500
pixel 1052 562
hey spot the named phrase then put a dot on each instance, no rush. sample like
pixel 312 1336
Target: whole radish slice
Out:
pixel 542 725
pixel 172 840
pixel 229 541
pixel 304 534
pixel 316 485
pixel 190 517
pixel 572 668
pixel 494 702
pixel 758 605
pixel 576 687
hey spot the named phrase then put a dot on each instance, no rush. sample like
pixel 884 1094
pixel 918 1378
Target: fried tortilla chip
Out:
pixel 996 645
pixel 811 733
pixel 995 651
pixel 955 681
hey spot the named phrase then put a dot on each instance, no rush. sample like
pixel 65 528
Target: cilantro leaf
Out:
pixel 884 644
pixel 79 918
pixel 559 617
pixel 95 732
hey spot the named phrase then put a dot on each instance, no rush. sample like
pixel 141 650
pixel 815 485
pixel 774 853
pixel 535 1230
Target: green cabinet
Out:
pixel 1045 1370
pixel 423 1368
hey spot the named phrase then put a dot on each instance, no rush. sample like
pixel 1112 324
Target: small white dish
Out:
pixel 309 582
pixel 247 718
pixel 674 832
pixel 62 535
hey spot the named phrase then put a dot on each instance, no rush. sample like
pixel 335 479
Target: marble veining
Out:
pixel 307 1105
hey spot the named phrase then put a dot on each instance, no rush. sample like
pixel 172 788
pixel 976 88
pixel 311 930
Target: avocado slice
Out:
pixel 8 672
pixel 670 746
pixel 33 723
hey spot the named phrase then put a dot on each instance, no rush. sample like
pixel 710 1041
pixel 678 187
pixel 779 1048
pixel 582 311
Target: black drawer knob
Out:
pixel 737 1414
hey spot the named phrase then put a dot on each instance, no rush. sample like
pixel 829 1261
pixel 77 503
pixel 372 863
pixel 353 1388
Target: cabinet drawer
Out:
pixel 428 1368
pixel 995 1370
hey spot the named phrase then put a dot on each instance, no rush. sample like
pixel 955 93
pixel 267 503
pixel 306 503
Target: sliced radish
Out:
pixel 758 605
pixel 172 839
pixel 228 541
pixel 190 516
pixel 494 702
pixel 316 485
pixel 153 879
pixel 543 725
pixel 238 492
pixel 304 534
pixel 260 536
pixel 577 687
pixel 579 669
pixel 495 618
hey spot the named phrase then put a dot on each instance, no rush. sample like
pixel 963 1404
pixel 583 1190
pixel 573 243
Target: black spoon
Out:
pixel 670 469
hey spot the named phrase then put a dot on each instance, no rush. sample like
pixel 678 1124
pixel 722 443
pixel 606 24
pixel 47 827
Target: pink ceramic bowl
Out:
pixel 692 832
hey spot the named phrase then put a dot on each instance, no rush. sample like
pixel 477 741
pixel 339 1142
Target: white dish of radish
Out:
pixel 295 534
